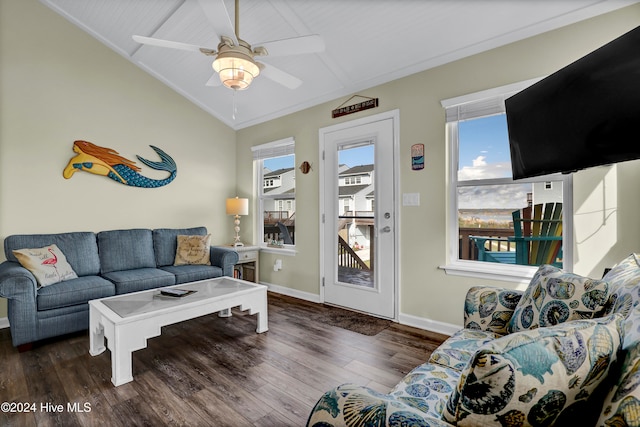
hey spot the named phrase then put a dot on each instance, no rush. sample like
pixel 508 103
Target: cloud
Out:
pixel 480 169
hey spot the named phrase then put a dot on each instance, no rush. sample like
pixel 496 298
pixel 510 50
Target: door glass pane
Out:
pixel 356 245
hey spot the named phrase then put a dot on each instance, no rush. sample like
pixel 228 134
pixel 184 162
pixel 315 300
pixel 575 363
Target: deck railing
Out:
pixel 347 257
pixel 467 249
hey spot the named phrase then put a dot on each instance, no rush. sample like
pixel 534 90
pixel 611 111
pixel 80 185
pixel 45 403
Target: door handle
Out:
pixel 386 229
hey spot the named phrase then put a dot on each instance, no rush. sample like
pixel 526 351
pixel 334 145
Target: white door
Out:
pixel 358 227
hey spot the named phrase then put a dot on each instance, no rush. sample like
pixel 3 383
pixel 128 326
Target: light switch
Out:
pixel 411 199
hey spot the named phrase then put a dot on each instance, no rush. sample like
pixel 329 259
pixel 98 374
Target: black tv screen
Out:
pixel 586 114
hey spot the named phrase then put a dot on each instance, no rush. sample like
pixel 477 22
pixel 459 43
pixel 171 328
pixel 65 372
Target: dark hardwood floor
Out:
pixel 209 371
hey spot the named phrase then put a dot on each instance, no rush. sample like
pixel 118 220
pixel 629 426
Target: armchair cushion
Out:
pixel 489 308
pixel 458 349
pixel 555 296
pixel 543 376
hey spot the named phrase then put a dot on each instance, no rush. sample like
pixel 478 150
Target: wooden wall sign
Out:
pixel 417 157
pixel 343 109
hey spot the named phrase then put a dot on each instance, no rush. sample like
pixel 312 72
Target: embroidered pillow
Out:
pixel 540 377
pixel 48 264
pixel 555 296
pixel 193 250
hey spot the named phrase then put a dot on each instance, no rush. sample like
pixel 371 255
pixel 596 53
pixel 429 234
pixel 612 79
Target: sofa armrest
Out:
pixel 351 404
pixel 19 286
pixel 224 258
pixel 489 308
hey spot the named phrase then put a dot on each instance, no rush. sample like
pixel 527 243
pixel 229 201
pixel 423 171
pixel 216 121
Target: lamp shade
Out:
pixel 236 70
pixel 237 206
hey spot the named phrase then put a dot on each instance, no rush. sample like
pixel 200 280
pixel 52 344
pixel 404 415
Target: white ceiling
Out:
pixel 368 42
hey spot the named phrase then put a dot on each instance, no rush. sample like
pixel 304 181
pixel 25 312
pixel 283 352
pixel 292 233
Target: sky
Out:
pixel 484 154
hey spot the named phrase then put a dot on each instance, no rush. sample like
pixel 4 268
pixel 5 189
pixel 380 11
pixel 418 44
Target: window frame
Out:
pixel 280 148
pixel 488 270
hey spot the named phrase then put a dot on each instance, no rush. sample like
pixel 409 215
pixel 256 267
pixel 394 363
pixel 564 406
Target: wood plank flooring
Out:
pixel 209 371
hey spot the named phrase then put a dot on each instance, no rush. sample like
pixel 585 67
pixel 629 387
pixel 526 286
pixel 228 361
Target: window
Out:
pixel 274 164
pixel 482 192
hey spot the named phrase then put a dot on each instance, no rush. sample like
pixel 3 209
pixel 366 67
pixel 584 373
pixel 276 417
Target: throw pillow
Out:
pixel 193 250
pixel 48 264
pixel 538 377
pixel 555 296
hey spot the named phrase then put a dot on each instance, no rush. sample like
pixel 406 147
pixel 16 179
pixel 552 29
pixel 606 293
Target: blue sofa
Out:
pixel 107 263
pixel 566 351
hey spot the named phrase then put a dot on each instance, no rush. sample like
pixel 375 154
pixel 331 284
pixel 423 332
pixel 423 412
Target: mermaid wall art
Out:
pixel 107 162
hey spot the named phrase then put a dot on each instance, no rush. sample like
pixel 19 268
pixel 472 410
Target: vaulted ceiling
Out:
pixel 367 42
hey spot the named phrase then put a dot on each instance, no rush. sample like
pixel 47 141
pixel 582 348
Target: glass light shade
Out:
pixel 237 206
pixel 235 71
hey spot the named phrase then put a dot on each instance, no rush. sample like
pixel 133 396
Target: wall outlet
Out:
pixel 277 266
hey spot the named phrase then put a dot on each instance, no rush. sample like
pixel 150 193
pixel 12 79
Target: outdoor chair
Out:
pixel 537 238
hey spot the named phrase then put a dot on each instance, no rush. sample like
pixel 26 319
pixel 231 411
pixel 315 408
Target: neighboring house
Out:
pixel 281 182
pixel 357 197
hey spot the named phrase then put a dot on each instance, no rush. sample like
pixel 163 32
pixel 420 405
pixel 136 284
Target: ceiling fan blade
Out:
pixel 279 76
pixel 294 46
pixel 170 44
pixel 217 14
pixel 214 81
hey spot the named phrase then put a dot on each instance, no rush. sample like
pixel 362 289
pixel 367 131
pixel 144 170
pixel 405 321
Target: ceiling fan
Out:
pixel 235 58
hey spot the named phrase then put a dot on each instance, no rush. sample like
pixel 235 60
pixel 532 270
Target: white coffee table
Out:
pixel 128 320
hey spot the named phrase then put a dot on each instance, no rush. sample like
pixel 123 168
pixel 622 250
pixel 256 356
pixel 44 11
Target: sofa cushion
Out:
pixel 193 250
pixel 543 376
pixel 458 349
pixel 191 273
pixel 80 248
pixel 125 250
pixel 140 279
pixel 74 292
pixel 48 265
pixel 165 242
pixel 555 296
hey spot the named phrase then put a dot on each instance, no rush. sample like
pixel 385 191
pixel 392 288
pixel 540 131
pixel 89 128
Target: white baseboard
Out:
pixel 307 296
pixel 404 319
pixel 4 322
pixel 427 324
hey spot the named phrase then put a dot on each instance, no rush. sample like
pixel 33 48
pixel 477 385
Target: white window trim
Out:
pixel 281 147
pixel 489 270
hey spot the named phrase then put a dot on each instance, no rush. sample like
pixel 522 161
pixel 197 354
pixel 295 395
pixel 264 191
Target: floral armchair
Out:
pixel 563 352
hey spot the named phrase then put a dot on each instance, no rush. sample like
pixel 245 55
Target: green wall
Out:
pixel 59 84
pixel 426 292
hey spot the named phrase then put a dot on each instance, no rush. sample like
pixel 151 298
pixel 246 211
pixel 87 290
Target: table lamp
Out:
pixel 237 207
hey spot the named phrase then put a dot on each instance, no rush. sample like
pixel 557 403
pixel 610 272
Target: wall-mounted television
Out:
pixel 586 114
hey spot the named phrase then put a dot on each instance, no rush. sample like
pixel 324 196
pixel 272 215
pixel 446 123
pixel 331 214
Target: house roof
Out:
pixel 350 190
pixel 357 170
pixel 277 172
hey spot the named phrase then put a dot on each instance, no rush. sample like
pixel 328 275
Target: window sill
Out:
pixel 291 250
pixel 491 271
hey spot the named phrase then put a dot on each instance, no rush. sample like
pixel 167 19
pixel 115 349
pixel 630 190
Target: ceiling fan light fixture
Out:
pixel 235 68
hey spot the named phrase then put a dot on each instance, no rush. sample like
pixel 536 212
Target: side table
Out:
pixel 248 266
